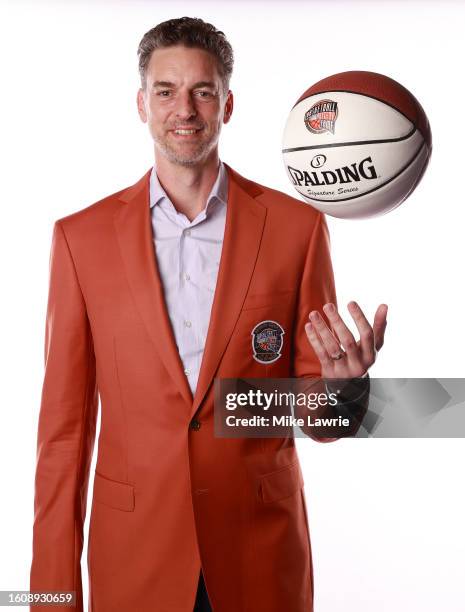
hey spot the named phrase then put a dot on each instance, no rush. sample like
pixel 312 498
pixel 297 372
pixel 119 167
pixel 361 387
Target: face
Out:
pixel 184 104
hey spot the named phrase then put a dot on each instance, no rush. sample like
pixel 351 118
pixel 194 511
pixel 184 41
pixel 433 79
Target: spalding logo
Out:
pixel 321 117
pixel 346 174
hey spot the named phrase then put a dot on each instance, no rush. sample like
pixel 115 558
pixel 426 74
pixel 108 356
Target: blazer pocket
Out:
pixel 281 484
pixel 119 495
pixel 262 300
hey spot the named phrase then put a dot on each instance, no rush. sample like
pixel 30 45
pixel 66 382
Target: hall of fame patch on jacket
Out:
pixel 267 341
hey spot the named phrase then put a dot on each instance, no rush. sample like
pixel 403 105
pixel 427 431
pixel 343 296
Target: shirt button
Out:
pixel 186 277
pixel 194 424
pixel 187 371
pixel 187 232
pixel 187 323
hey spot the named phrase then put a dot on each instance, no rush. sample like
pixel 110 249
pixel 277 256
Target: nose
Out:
pixel 185 108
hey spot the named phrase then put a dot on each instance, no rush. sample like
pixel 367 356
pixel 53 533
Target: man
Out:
pixel 154 292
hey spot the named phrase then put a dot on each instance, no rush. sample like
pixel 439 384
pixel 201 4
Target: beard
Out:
pixel 185 154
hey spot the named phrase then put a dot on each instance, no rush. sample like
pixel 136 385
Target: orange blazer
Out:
pixel 170 498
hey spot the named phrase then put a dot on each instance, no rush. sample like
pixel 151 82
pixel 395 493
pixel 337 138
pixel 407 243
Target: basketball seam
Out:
pixel 371 190
pixel 349 144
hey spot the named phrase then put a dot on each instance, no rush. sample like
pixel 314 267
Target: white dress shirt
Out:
pixel 188 257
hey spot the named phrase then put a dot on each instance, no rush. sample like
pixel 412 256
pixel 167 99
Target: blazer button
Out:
pixel 194 424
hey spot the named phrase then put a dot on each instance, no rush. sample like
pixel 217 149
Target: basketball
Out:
pixel 356 144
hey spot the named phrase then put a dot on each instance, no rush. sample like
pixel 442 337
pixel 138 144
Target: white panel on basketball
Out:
pixel 360 118
pixel 349 171
pixel 382 200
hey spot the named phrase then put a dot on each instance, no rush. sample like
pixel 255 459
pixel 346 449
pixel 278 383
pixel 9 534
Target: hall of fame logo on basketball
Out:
pixel 267 341
pixel 321 117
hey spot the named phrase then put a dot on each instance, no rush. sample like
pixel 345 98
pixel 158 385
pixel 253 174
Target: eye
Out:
pixel 202 93
pixel 163 93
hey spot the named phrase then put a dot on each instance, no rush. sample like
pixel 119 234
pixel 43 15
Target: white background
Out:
pixel 386 516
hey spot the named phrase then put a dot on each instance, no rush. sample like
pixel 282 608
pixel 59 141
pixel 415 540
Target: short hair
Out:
pixel 189 32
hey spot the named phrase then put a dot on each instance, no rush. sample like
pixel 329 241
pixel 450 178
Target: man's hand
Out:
pixel 355 357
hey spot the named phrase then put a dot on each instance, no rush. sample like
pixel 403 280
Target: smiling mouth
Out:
pixel 186 131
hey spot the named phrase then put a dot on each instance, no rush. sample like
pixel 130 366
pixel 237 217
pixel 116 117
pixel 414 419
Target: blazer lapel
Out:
pixel 134 232
pixel 245 220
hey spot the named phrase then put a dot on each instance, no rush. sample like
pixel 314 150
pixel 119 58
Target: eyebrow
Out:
pixel 198 84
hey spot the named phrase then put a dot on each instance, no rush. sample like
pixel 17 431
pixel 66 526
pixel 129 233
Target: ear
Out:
pixel 141 105
pixel 228 107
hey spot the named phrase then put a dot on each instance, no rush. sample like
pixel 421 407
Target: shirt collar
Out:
pixel 219 191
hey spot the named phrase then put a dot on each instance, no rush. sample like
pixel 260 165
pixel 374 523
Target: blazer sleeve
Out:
pixel 317 287
pixel 66 432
